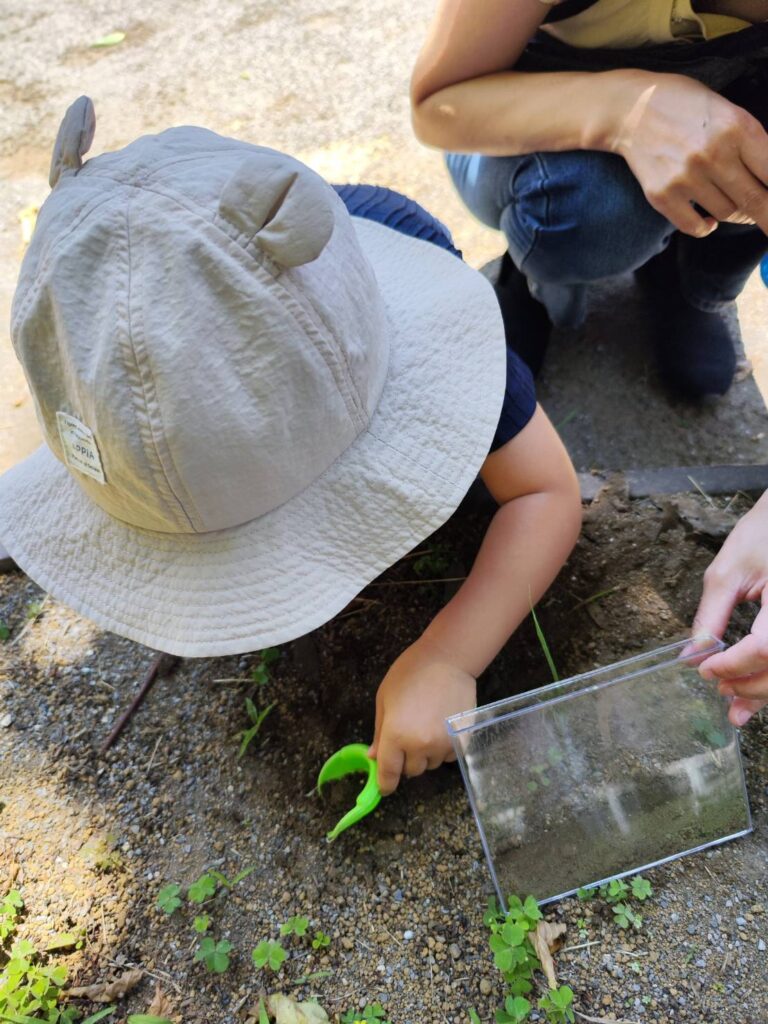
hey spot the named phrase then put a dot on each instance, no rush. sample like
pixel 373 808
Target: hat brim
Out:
pixel 280 576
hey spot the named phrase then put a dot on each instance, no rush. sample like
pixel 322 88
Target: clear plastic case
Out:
pixel 604 774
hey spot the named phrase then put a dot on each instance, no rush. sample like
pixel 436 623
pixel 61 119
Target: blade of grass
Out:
pixel 597 597
pixel 544 645
pixel 249 734
pixel 566 420
pixel 701 490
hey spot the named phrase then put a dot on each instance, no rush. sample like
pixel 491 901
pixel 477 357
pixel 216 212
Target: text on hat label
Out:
pixel 80 449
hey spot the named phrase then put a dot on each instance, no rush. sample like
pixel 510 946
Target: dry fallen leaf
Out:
pixel 161 1005
pixel 545 940
pixel 106 991
pixel 286 1010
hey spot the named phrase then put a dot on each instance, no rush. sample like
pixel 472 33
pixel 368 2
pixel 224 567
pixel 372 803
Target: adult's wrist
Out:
pixel 611 98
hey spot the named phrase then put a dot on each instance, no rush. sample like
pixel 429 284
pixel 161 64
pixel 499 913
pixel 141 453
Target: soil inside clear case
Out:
pixel 604 774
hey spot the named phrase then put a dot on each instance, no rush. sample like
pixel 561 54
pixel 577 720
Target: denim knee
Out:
pixel 580 216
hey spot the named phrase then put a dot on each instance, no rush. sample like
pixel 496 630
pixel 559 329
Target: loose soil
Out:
pixel 92 839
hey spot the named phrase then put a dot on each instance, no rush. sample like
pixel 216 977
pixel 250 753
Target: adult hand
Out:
pixel 739 573
pixel 421 689
pixel 686 144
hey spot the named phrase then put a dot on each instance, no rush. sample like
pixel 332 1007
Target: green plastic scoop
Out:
pixel 347 761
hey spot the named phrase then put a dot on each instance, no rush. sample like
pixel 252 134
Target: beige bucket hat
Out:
pixel 252 402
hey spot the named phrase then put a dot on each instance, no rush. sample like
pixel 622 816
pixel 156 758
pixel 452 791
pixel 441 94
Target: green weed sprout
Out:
pixel 215 955
pixel 295 926
pixel 4 631
pixel 270 954
pixel 615 891
pixel 203 889
pixel 30 990
pixel 433 562
pixel 515 1010
pixel 34 610
pixel 321 940
pixel 10 911
pixel 201 924
pixel 257 720
pixel 168 899
pixel 513 955
pixel 641 888
pixel 617 894
pixel 557 1005
pixel 373 1013
pixel 260 672
pixel 625 917
pixel 231 883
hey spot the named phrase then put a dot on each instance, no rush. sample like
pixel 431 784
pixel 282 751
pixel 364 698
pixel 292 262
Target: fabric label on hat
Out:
pixel 79 444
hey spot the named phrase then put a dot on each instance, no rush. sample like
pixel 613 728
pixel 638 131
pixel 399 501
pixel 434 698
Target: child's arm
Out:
pixel 525 546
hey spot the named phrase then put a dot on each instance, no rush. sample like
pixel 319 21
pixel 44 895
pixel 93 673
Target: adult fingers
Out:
pixel 391 760
pixel 754 150
pixel 746 191
pixel 754 687
pixel 741 710
pixel 676 206
pixel 718 599
pixel 715 202
pixel 745 658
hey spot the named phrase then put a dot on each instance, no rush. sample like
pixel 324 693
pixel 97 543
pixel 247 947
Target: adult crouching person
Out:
pixel 606 136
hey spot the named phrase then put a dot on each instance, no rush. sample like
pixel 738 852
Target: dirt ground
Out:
pixel 401 897
pixel 91 839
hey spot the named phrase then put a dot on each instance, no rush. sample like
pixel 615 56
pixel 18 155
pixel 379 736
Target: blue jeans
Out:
pixel 575 217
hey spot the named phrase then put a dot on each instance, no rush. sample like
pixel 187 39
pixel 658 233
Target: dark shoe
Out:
pixel 527 326
pixel 695 350
pixel 7 564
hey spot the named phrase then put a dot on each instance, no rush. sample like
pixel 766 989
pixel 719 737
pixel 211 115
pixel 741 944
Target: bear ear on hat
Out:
pixel 73 139
pixel 283 206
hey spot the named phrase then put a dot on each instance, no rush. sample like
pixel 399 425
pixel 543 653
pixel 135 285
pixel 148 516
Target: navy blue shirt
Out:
pixel 403 214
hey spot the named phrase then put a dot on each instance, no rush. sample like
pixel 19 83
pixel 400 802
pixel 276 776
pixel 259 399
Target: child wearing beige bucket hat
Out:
pixel 253 403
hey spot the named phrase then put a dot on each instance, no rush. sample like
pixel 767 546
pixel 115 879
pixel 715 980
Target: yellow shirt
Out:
pixel 622 24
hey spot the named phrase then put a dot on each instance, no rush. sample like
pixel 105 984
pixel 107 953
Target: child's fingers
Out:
pixel 391 760
pixel 373 749
pixel 415 764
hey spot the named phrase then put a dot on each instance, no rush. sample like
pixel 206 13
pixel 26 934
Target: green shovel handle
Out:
pixel 350 760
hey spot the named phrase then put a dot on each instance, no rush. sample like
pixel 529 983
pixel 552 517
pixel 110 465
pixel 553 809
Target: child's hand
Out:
pixel 421 689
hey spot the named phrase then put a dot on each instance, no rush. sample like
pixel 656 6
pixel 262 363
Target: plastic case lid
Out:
pixel 604 774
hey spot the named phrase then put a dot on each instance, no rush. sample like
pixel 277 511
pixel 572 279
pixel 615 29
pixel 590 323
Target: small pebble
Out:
pixel 408 935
